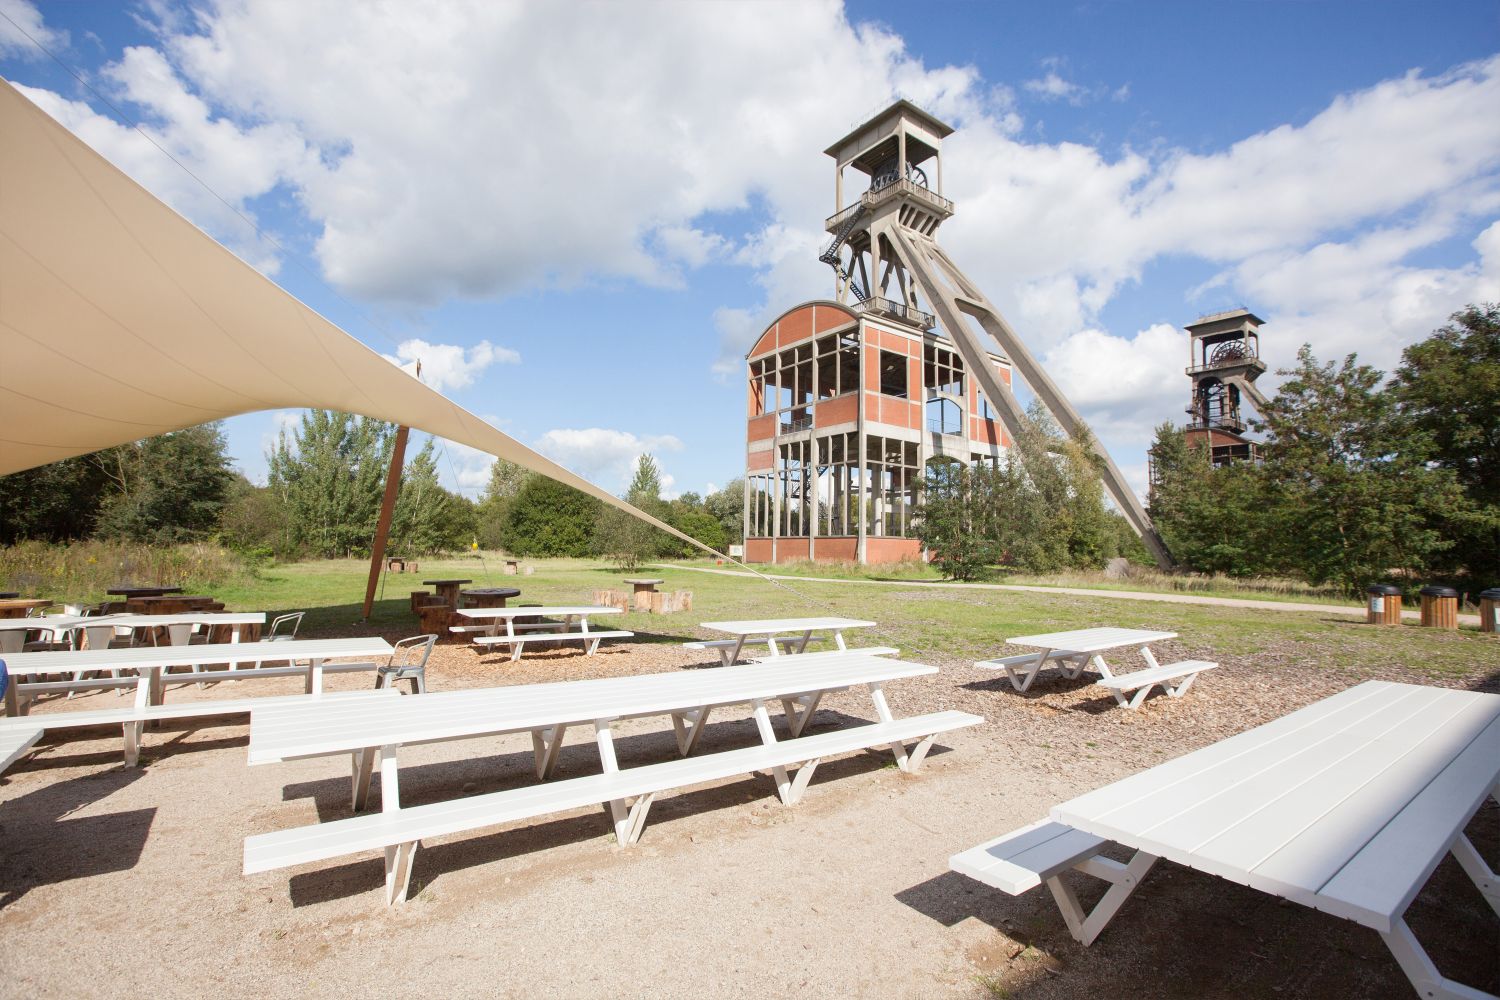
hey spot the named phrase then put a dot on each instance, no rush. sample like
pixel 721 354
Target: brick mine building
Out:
pixel 852 400
pixel 848 403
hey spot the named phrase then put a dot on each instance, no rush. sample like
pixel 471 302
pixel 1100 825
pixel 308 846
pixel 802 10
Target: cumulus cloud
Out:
pixel 449 366
pixel 1054 88
pixel 22 29
pixel 605 456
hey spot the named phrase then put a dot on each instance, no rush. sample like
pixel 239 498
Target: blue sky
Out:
pixel 580 215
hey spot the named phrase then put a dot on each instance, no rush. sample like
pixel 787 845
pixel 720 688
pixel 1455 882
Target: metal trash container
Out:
pixel 1489 610
pixel 1439 607
pixel 1384 604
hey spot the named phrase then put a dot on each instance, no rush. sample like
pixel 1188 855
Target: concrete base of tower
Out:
pixel 835 548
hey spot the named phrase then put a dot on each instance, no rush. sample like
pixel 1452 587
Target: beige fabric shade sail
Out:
pixel 119 320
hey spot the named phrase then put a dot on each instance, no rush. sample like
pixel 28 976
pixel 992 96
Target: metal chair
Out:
pixel 408 662
pixel 293 622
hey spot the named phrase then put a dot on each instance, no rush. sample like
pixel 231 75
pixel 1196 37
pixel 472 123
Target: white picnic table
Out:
pixel 179 626
pixel 1072 651
pixel 770 630
pixel 151 661
pixel 1345 806
pixel 547 711
pixel 517 636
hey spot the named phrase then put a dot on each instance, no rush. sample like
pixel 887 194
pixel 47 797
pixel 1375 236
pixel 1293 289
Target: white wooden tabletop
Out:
pixel 52 622
pixel 46 622
pixel 564 611
pixel 292 731
pixel 146 657
pixel 1294 807
pixel 1091 640
pixel 775 626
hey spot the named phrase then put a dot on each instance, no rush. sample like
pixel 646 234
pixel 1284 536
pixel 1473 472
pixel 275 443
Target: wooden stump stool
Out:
pixel 1384 604
pixel 1489 611
pixel 1439 607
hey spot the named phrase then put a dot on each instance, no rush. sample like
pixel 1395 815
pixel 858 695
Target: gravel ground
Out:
pixel 124 882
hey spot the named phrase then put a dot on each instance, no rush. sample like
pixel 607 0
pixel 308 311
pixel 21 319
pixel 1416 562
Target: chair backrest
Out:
pixel 293 622
pixel 412 653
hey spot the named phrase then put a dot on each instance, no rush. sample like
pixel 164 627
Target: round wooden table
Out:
pixel 489 597
pixel 447 590
pixel 9 593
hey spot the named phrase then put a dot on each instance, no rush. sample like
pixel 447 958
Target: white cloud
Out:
pixel 463 469
pixel 1054 88
pixel 449 366
pixel 20 19
pixel 604 456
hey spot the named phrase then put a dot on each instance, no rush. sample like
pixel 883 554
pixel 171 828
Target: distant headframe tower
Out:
pixel 1225 362
pixel 911 302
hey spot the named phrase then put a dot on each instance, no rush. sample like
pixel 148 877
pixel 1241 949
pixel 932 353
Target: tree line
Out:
pixel 325 482
pixel 1361 477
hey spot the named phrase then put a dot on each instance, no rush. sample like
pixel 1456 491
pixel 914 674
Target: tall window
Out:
pixel 893 375
pixel 944 417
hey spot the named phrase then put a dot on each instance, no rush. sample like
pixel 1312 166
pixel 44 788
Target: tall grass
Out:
pixel 82 571
pixel 1154 580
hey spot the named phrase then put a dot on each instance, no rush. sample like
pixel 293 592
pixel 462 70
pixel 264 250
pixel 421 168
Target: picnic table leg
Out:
pixel 806 638
pixel 545 743
pixel 1125 878
pixel 838 639
pixel 590 646
pixel 1477 869
pixel 235 631
pixel 133 731
pixel 1424 976
pixel 1021 678
pixel 689 726
pixel 12 699
pixel 797 721
pixel 629 819
pixel 315 676
pixel 768 737
pixel 883 712
pixel 510 633
pixel 1149 657
pixel 731 657
pixel 398 857
pixel 362 764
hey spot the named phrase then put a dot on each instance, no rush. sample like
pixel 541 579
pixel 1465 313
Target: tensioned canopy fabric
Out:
pixel 119 320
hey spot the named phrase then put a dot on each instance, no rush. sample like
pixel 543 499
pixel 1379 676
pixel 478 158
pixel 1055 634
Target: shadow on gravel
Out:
pixel 45 845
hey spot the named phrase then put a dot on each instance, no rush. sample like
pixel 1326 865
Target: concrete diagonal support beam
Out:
pixel 936 275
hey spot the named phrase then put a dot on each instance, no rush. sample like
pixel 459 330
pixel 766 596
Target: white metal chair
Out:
pixel 292 622
pixel 408 662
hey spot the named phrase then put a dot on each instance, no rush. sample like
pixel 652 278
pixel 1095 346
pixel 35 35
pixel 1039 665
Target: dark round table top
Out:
pixel 443 583
pixel 490 592
pixel 144 591
pixel 9 593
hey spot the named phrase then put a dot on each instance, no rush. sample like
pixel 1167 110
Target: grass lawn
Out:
pixel 922 622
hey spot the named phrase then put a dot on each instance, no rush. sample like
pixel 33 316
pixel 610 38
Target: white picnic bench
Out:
pixel 794 632
pixel 151 661
pixel 518 636
pixel 1345 806
pixel 1076 650
pixel 372 733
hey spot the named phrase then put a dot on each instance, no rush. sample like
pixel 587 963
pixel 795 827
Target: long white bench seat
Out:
pixel 399 831
pixel 134 717
pixel 1023 859
pixel 517 643
pixel 1023 667
pixel 1174 678
pixel 14 743
pixel 829 654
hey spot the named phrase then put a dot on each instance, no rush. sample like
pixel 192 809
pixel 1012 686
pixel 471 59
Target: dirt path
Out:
pixel 1122 595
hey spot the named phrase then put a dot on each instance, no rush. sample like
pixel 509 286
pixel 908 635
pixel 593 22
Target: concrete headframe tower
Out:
pixel 884 248
pixel 1225 356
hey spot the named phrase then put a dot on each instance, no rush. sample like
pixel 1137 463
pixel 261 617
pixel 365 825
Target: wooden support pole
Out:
pixel 383 525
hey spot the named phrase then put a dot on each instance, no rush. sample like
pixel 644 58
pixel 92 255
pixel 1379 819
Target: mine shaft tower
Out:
pixel 885 255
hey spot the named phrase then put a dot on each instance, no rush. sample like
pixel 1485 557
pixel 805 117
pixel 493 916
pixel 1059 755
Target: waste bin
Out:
pixel 1439 607
pixel 1489 610
pixel 1384 604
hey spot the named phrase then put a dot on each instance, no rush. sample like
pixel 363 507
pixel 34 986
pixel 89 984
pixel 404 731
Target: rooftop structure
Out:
pixel 1224 364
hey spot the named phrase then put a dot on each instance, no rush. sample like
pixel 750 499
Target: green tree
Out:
pixel 549 518
pixel 53 503
pixel 251 521
pixel 956 525
pixel 169 488
pixel 506 480
pixel 1213 520
pixel 329 476
pixel 427 518
pixel 622 537
pixel 728 506
pixel 689 515
pixel 1447 388
pixel 1351 498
